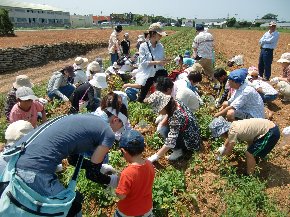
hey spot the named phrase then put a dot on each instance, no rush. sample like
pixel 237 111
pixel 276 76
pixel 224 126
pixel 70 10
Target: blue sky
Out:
pixel 241 9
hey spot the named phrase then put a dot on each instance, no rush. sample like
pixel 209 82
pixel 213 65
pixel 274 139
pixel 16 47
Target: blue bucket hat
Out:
pixel 132 139
pixel 238 75
pixel 199 27
pixel 219 126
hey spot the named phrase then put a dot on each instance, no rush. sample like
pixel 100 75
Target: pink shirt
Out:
pixel 18 114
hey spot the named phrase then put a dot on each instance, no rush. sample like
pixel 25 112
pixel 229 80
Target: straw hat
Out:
pixel 22 81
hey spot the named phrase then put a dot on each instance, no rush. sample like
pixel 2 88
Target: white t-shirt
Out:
pixel 266 88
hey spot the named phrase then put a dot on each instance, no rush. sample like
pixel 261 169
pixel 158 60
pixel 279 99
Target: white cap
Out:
pixel 25 93
pixel 16 130
pixel 99 81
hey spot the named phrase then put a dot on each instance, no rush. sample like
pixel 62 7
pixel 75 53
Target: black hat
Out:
pixel 119 28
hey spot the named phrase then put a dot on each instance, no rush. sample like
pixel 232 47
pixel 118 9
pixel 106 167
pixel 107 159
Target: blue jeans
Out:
pixel 265 62
pixel 132 93
pixel 114 57
pixel 65 90
pixel 268 98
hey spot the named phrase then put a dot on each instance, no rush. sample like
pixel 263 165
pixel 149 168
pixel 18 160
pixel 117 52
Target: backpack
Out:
pixel 18 199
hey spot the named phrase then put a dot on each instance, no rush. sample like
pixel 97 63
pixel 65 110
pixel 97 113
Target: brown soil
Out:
pixel 275 171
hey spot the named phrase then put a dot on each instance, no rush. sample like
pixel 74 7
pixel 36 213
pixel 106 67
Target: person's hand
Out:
pixel 125 86
pixel 65 99
pixel 216 115
pixel 162 62
pixel 114 181
pixel 217 103
pixel 275 80
pixel 106 168
pixel 153 158
pixel 221 149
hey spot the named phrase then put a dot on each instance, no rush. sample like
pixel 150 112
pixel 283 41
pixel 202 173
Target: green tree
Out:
pixel 270 16
pixel 231 22
pixel 6 26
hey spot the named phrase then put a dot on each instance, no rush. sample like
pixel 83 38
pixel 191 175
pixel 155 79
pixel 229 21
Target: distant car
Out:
pixel 172 24
pixel 105 23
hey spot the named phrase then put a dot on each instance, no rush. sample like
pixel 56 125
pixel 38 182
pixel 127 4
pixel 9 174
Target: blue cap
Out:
pixel 187 54
pixel 238 75
pixel 199 27
pixel 132 139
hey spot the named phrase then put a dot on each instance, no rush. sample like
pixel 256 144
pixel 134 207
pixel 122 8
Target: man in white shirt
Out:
pixel 203 50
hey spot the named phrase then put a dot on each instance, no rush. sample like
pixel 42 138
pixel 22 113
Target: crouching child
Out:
pixel 136 180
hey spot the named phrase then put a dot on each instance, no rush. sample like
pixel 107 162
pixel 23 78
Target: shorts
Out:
pixel 239 115
pixel 262 146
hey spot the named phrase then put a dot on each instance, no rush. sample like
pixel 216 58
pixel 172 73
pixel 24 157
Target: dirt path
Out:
pixel 43 73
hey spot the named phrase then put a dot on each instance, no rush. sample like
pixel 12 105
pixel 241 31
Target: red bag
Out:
pixel 173 75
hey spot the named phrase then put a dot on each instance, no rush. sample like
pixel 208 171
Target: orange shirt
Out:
pixel 136 182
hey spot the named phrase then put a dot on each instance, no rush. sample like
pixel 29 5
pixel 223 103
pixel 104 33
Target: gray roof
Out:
pixel 15 4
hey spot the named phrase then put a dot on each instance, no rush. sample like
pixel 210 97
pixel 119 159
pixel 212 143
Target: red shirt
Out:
pixel 136 182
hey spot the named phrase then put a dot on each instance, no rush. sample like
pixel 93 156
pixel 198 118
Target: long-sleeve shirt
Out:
pixel 145 70
pixel 56 81
pixel 85 92
pixel 10 102
pixel 114 43
pixel 269 40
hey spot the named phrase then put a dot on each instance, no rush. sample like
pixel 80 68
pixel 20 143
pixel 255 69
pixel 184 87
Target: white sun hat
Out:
pixel 99 80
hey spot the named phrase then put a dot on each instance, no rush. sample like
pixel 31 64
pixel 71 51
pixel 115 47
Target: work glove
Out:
pixel 65 99
pixel 221 150
pixel 114 181
pixel 217 103
pixel 275 80
pixel 154 157
pixel 106 168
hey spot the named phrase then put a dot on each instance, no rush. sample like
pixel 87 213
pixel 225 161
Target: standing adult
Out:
pixel 114 48
pixel 203 50
pixel 267 44
pixel 152 60
pixel 125 44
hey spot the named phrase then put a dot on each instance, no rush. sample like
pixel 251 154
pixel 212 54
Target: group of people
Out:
pixel 241 116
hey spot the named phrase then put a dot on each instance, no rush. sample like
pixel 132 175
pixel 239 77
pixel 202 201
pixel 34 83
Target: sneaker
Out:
pixel 175 154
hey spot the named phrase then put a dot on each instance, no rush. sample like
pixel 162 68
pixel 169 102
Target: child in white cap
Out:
pixel 27 107
pixel 21 81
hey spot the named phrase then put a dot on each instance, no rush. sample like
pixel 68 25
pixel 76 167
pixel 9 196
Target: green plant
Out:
pixel 116 159
pixel 168 186
pixel 6 26
pixel 246 196
pixel 90 190
pixel 140 111
pixel 40 90
pixel 154 141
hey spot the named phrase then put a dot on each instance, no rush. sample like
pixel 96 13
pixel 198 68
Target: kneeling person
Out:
pixel 260 134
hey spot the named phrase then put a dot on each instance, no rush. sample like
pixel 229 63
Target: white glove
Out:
pixel 219 158
pixel 275 80
pixel 159 119
pixel 221 149
pixel 153 158
pixel 217 104
pixel 113 181
pixel 42 101
pixel 107 168
pixel 65 99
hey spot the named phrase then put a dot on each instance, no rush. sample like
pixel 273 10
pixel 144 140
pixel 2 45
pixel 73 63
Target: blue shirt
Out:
pixel 73 134
pixel 269 40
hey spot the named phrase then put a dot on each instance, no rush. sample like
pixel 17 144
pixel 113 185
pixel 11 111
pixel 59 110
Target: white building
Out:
pixel 187 22
pixel 81 21
pixel 33 15
pixel 210 22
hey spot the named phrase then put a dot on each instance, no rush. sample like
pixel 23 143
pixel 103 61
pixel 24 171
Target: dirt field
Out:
pixel 227 44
